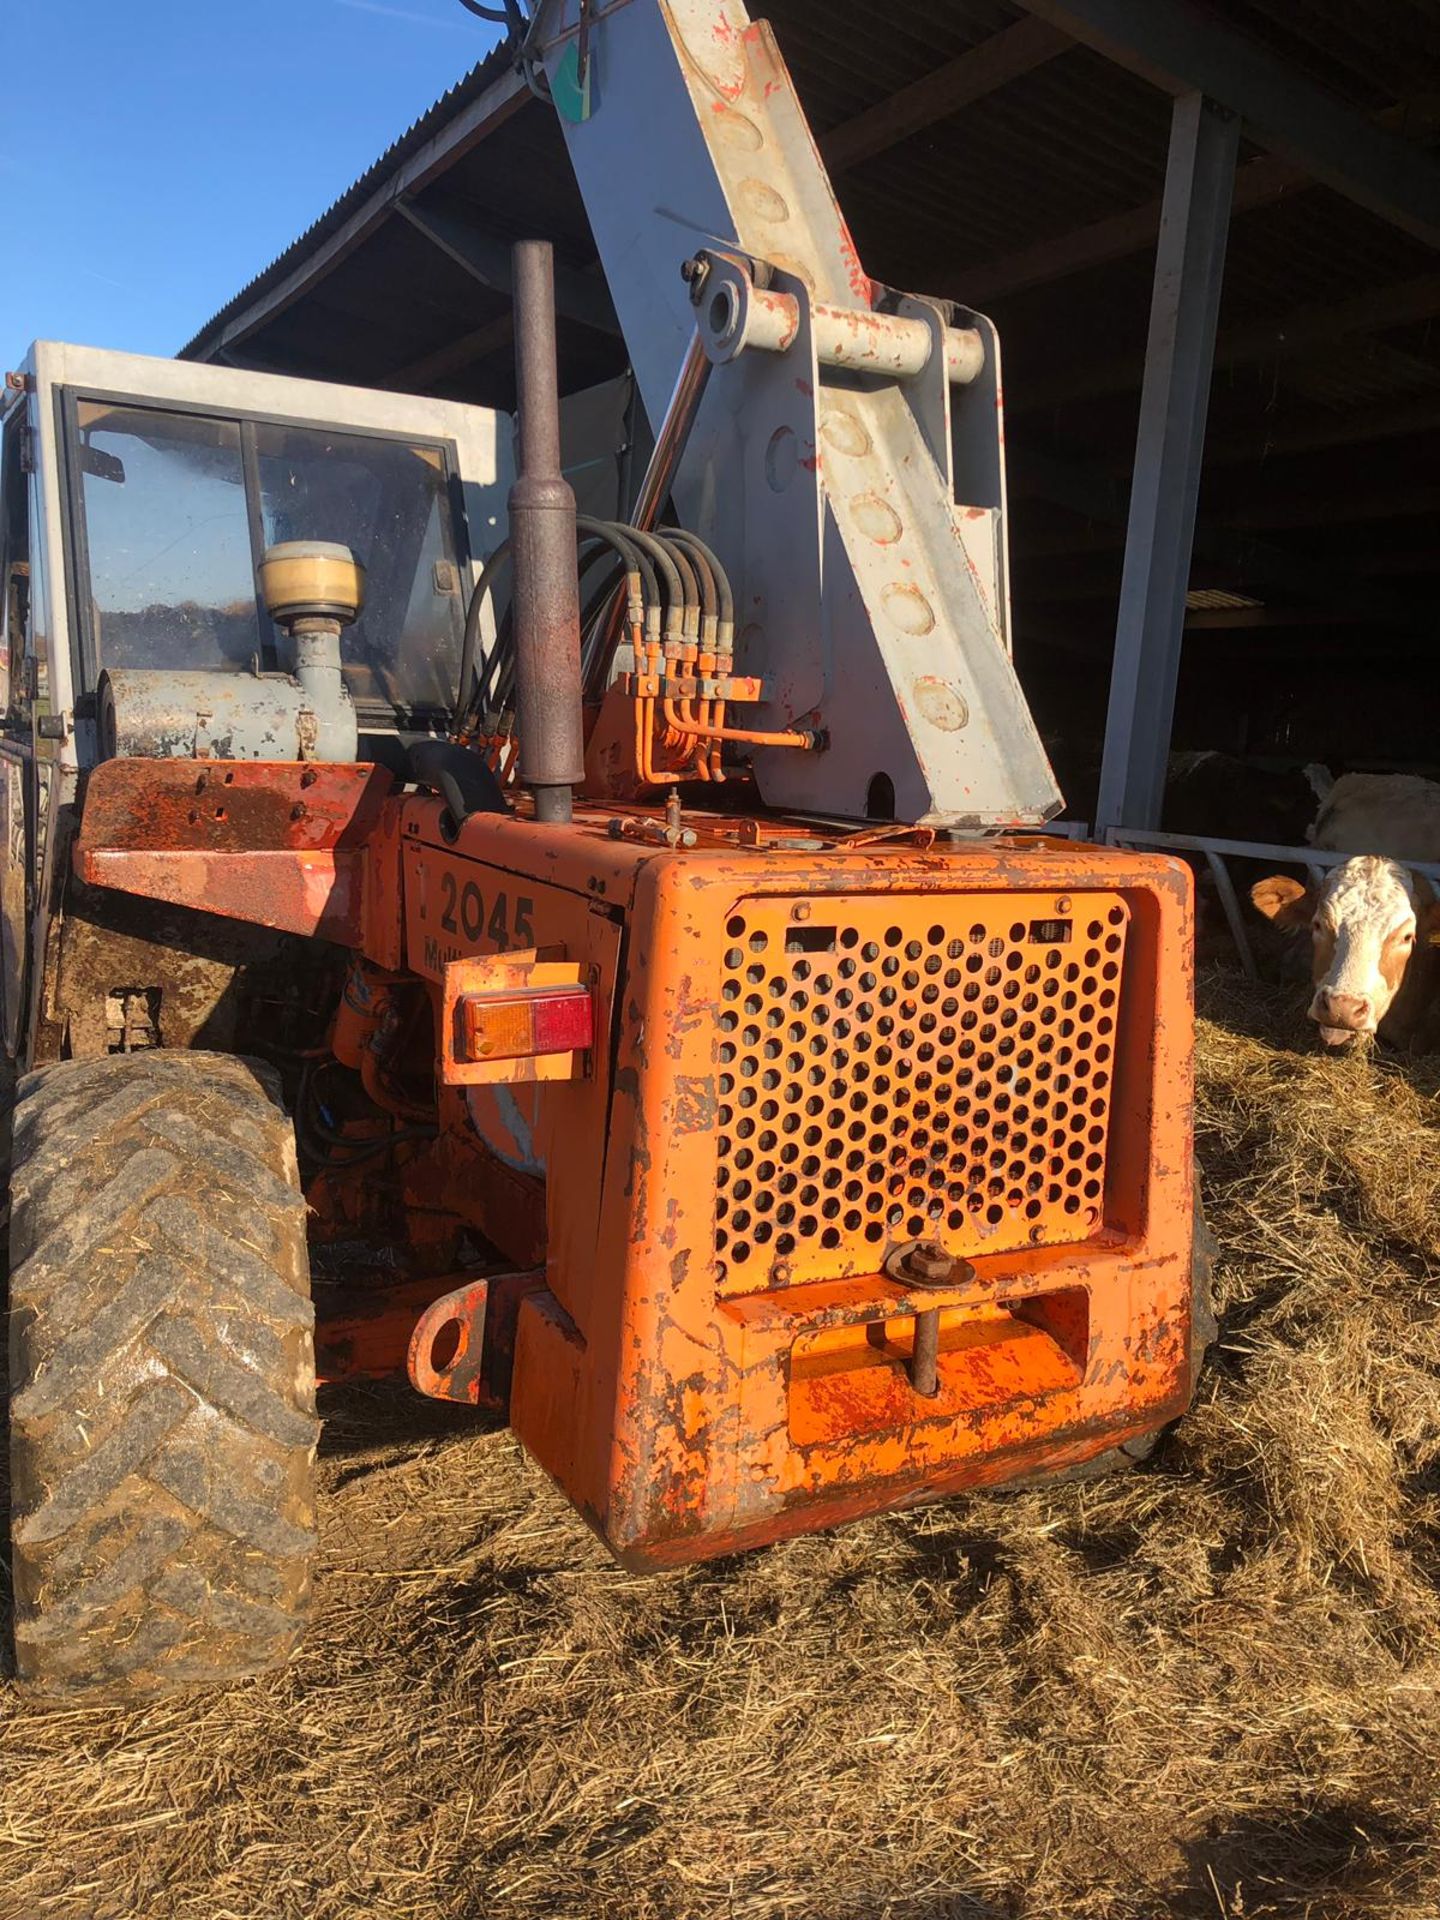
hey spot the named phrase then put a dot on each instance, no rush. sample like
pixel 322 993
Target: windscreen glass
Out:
pixel 178 506
pixel 388 501
pixel 172 582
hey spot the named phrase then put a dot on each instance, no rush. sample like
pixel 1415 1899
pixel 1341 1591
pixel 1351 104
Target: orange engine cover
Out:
pixel 809 1055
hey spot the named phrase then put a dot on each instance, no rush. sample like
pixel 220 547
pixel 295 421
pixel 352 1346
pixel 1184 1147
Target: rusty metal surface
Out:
pixel 891 1068
pixel 279 843
pixel 902 661
pixel 668 1399
pixel 230 808
pixel 222 716
pixel 460 1182
pixel 542 535
pixel 462 1345
pixel 735 314
pixel 205 981
pixel 925 1354
pixel 446 1355
pixel 378 1332
pixel 689 1400
pixel 365 1334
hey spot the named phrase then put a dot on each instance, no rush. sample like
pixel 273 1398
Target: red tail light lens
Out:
pixel 517 1024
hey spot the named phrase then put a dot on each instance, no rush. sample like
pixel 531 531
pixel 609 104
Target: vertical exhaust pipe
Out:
pixel 542 536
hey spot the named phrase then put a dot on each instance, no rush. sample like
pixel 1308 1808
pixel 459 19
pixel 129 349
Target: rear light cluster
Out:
pixel 520 1023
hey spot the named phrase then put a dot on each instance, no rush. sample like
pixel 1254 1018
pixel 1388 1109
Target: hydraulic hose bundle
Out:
pixel 679 616
pixel 520 702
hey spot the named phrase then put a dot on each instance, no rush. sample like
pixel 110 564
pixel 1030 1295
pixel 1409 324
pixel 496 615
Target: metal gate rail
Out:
pixel 1315 861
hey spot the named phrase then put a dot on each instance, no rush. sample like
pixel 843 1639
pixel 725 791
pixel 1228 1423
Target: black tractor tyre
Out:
pixel 162 1375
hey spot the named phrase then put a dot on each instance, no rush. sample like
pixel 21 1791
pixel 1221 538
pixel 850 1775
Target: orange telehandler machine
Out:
pixel 687 1040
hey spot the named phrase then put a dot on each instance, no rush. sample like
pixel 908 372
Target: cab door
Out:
pixel 16 754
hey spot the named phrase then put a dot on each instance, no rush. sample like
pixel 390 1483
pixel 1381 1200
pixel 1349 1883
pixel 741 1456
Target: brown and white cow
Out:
pixel 1374 926
pixel 1397 814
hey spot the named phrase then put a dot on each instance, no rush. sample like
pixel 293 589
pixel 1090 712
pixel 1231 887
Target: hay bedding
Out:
pixel 1206 1691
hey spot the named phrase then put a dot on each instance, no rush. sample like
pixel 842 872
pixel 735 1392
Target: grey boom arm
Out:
pixel 837 425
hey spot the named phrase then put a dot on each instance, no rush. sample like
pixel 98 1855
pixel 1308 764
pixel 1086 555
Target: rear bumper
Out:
pixel 801 1413
pixel 691 1401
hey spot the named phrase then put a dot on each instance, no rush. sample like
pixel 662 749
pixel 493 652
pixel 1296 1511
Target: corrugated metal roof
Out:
pixel 1306 354
pixel 1371 55
pixel 482 75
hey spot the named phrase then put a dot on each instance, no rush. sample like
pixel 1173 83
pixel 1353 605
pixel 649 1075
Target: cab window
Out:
pixel 167 530
pixel 14 556
pixel 178 508
pixel 388 501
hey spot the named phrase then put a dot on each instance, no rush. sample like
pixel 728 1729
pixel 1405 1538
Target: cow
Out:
pixel 1397 814
pixel 1215 796
pixel 1374 927
pixel 1374 923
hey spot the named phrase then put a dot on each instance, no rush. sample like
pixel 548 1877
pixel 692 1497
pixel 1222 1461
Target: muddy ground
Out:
pixel 1207 1690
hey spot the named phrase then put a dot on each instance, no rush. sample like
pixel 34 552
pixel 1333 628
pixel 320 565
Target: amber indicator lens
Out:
pixel 518 1024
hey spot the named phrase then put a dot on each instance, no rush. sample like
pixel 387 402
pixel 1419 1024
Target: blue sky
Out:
pixel 156 154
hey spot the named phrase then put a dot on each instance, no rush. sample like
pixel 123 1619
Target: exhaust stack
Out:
pixel 542 535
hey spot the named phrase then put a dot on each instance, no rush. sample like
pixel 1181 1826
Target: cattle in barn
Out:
pixel 1216 796
pixel 1397 814
pixel 1209 795
pixel 1374 966
pixel 1373 922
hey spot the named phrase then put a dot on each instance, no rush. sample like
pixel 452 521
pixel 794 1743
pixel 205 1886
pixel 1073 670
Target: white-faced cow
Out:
pixel 1373 921
pixel 1374 969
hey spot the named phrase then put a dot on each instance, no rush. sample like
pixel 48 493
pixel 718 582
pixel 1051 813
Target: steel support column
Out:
pixel 1183 46
pixel 1189 265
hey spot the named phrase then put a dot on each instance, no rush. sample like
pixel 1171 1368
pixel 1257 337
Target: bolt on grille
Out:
pixel 936 1066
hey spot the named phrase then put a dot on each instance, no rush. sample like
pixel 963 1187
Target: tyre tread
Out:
pixel 162 1459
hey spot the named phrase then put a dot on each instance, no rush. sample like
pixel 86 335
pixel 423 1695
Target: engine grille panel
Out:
pixel 896 1067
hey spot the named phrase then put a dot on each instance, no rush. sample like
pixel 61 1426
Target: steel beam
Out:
pixel 970 76
pixel 242 317
pixel 1234 558
pixel 1189 267
pixel 1259 619
pixel 1404 303
pixel 578 296
pixel 1418 413
pixel 1258 183
pixel 1336 507
pixel 1184 48
pixel 456 355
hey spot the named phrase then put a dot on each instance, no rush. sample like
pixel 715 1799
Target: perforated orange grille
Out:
pixel 890 1068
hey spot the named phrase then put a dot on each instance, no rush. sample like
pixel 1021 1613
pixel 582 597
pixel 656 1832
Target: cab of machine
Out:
pixel 139 495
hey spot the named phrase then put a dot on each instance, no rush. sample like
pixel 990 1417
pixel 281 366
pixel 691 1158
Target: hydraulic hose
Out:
pixel 640 577
pixel 689 587
pixel 725 608
pixel 684 659
pixel 674 592
pixel 708 714
pixel 598 625
pixel 462 777
pixel 466 696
